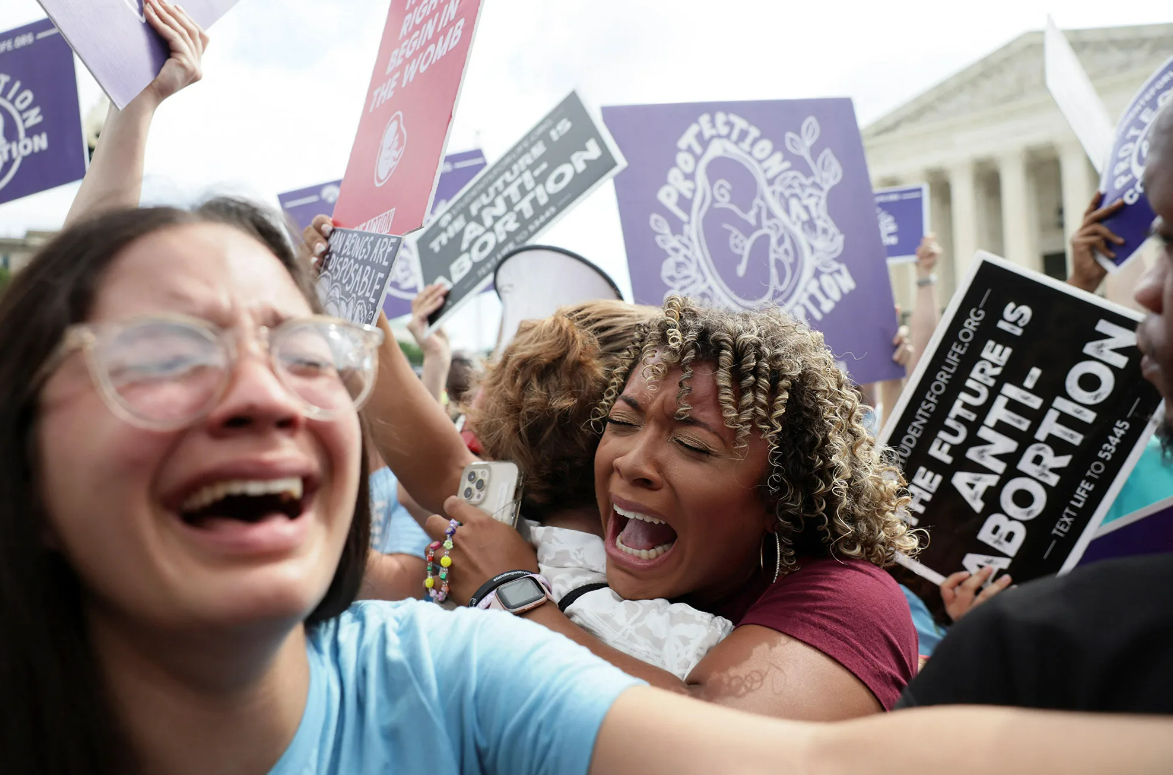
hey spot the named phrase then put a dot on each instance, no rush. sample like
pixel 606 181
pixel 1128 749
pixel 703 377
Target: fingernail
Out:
pixel 327 230
pixel 320 249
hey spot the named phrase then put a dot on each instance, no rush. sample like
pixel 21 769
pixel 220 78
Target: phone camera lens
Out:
pixel 472 476
pixel 480 484
pixel 467 493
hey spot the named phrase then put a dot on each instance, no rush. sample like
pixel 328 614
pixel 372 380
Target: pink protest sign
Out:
pixel 395 161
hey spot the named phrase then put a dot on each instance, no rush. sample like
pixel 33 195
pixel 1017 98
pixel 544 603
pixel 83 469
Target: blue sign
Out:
pixel 1124 172
pixel 904 220
pixel 41 141
pixel 740 205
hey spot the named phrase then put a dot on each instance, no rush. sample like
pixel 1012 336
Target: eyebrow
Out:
pixel 217 314
pixel 689 420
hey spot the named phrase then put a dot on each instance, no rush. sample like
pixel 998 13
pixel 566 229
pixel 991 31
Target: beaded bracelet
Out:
pixel 441 594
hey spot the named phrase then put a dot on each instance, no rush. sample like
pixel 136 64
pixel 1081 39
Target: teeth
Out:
pixel 290 488
pixel 644 554
pixel 637 515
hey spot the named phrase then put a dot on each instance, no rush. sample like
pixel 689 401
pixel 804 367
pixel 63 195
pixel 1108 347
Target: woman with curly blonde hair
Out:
pixel 735 474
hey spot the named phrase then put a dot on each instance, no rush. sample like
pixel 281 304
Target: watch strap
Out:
pixel 491 585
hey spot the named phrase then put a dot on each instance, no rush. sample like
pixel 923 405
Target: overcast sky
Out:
pixel 285 81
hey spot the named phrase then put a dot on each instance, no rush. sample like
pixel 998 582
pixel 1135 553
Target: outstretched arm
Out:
pixel 115 177
pixel 693 737
pixel 755 668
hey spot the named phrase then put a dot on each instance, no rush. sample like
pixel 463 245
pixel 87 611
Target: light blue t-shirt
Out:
pixel 411 688
pixel 393 529
pixel 928 632
pixel 1149 482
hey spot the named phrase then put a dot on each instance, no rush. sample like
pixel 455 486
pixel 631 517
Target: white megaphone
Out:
pixel 535 280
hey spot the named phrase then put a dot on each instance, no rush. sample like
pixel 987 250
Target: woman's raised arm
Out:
pixel 411 430
pixel 115 177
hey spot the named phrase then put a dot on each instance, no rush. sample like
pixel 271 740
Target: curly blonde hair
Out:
pixel 537 399
pixel 830 488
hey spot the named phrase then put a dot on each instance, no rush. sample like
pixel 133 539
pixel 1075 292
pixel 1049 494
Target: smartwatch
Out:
pixel 519 595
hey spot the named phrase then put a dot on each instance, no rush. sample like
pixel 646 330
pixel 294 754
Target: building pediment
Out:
pixel 1015 73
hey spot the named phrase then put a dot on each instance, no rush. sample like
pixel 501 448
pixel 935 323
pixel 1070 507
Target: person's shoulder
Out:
pixel 848 595
pixel 834 577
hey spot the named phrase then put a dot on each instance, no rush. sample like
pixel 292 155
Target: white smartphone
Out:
pixel 494 488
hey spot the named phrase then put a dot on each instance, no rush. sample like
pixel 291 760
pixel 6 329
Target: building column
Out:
pixel 1078 182
pixel 941 224
pixel 1017 211
pixel 964 204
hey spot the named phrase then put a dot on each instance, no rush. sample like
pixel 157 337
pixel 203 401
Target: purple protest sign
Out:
pixel 750 204
pixel 117 43
pixel 41 140
pixel 305 204
pixel 1148 531
pixel 904 220
pixel 1123 176
pixel 458 170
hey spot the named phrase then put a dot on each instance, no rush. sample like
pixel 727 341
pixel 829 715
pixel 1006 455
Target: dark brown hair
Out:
pixel 58 719
pixel 537 398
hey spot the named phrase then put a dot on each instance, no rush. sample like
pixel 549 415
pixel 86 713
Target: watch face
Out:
pixel 520 593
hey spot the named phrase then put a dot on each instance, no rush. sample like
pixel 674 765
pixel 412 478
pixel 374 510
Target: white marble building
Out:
pixel 1006 172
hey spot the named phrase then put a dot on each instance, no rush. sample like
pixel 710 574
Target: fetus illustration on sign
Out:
pixel 758 232
pixel 391 149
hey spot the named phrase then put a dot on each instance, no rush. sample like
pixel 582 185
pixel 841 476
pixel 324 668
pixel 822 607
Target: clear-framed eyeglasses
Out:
pixel 166 372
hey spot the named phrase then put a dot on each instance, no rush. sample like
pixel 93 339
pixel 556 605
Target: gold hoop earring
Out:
pixel 777 556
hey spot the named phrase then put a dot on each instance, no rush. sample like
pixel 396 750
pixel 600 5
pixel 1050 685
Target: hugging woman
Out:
pixel 735 475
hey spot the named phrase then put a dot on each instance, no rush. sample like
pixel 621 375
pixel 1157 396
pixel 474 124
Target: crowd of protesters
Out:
pixel 204 474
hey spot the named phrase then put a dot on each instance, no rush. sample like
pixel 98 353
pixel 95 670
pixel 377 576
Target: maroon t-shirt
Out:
pixel 850 610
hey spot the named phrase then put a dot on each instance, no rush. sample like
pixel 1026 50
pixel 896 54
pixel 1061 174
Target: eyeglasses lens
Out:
pixel 167 372
pixel 326 365
pixel 164 371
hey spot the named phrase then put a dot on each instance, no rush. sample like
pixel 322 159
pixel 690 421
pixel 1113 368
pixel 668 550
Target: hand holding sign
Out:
pixel 963 590
pixel 1093 237
pixel 423 306
pixel 317 236
pixel 355 273
pixel 187 41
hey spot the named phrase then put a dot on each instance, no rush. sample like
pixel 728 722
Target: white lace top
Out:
pixel 671 636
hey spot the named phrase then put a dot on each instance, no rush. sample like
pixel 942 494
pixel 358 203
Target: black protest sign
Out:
pixel 356 271
pixel 557 164
pixel 1021 423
